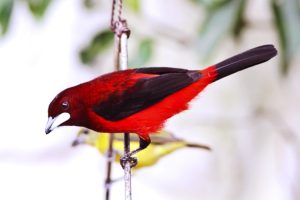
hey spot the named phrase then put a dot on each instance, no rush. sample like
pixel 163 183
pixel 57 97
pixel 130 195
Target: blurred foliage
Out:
pixel 226 17
pixel 163 143
pixel 287 21
pixel 99 43
pixel 143 54
pixel 211 4
pixel 90 4
pixel 103 41
pixel 223 18
pixel 6 7
pixel 134 5
pixel 38 7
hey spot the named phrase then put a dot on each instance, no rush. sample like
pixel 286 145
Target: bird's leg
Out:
pixel 133 161
pixel 143 145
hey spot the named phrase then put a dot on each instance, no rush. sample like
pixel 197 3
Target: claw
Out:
pixel 132 160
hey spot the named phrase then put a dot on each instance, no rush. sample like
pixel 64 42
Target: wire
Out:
pixel 118 24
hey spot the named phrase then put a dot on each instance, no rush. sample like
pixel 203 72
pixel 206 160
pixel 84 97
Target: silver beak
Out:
pixel 56 121
pixel 48 128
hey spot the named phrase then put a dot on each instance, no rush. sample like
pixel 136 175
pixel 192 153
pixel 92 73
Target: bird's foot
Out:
pixel 126 158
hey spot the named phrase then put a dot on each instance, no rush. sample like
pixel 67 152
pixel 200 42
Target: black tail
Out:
pixel 244 60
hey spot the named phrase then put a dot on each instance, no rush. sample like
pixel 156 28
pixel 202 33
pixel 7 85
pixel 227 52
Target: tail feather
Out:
pixel 200 146
pixel 244 60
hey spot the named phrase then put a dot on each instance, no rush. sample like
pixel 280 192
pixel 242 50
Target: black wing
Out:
pixel 146 92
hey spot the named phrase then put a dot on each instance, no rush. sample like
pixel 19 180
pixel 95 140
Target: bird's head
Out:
pixel 64 110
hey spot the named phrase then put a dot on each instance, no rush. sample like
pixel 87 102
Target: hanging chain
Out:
pixel 117 24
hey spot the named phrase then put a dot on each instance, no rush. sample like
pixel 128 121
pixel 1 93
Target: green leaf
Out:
pixel 287 21
pixel 90 4
pixel 6 7
pixel 144 53
pixel 219 23
pixel 134 5
pixel 239 23
pixel 100 42
pixel 38 7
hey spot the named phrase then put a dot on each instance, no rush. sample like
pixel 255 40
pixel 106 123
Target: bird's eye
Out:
pixel 86 131
pixel 65 105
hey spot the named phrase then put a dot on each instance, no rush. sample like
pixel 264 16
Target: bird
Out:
pixel 140 100
pixel 162 144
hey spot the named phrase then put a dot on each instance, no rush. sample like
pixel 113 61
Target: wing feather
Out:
pixel 146 92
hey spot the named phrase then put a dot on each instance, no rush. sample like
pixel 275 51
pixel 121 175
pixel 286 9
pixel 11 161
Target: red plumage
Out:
pixel 141 100
pixel 150 120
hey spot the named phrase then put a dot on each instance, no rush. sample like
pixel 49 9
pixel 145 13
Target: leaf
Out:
pixel 134 5
pixel 218 23
pixel 91 4
pixel 240 21
pixel 6 7
pixel 38 7
pixel 100 42
pixel 287 21
pixel 144 53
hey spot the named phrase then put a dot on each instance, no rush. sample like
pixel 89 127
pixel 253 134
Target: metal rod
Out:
pixel 127 168
pixel 124 54
pixel 110 158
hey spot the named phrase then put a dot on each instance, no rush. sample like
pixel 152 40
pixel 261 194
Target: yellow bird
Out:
pixel 163 143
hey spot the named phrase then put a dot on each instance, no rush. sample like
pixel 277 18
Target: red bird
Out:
pixel 141 100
